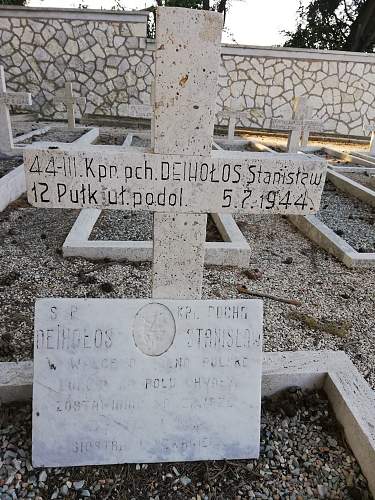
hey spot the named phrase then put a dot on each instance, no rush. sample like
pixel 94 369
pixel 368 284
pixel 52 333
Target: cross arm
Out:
pixel 297 124
pixel 16 98
pixel 225 181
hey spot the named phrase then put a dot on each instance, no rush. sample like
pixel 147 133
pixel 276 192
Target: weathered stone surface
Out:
pixel 223 182
pixel 146 381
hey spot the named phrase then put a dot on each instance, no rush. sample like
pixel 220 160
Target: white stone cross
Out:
pixel 370 129
pixel 181 179
pixel 299 126
pixel 70 102
pixel 9 99
pixel 152 398
pixel 235 113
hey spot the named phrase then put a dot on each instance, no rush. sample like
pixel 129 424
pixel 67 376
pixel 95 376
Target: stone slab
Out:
pixel 227 181
pixel 141 380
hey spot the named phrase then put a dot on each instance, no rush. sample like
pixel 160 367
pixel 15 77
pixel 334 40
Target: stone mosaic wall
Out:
pixel 342 94
pixel 106 61
pixel 110 62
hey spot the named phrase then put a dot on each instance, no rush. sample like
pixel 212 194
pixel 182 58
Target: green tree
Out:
pixel 335 25
pixel 13 2
pixel 215 5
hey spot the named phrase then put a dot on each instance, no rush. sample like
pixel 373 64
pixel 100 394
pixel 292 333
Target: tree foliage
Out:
pixel 216 5
pixel 335 25
pixel 13 2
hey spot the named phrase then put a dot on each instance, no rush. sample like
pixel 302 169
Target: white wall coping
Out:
pixel 136 16
pixel 289 53
pixel 293 53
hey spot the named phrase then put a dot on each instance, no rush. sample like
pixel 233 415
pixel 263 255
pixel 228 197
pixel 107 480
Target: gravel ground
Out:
pixel 363 179
pixel 111 138
pixel 236 147
pixel 134 226
pixel 283 263
pixel 8 165
pixel 57 134
pixel 141 142
pixel 20 128
pixel 303 456
pixel 350 218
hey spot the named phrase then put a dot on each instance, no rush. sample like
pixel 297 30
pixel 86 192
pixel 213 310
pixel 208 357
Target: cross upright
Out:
pixel 234 113
pixel 9 99
pixel 181 179
pixel 70 102
pixel 299 126
pixel 370 129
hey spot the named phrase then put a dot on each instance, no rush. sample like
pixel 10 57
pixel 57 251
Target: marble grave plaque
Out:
pixel 142 380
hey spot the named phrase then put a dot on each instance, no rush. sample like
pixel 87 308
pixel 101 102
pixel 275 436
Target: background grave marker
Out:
pixel 234 113
pixel 9 99
pixel 70 102
pixel 299 126
pixel 370 129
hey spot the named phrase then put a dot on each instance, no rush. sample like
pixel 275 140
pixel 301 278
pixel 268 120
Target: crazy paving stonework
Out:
pixel 341 93
pixel 110 62
pixel 107 62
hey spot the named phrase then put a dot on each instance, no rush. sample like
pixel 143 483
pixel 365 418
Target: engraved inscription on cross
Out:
pixel 70 102
pixel 181 179
pixel 299 126
pixel 9 99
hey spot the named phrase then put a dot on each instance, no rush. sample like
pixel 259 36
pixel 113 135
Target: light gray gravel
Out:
pixel 7 165
pixel 32 266
pixel 350 218
pixel 135 226
pixel 303 456
pixel 57 134
pixel 235 147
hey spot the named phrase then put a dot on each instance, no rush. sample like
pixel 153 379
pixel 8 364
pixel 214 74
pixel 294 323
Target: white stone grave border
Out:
pixel 325 237
pixel 233 251
pixel 13 184
pixel 318 232
pixel 351 398
pixel 359 159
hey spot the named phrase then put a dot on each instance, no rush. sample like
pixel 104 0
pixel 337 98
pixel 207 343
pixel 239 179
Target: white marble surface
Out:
pixel 146 381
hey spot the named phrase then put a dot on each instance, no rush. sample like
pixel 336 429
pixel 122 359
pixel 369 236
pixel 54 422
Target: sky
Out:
pixel 250 22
